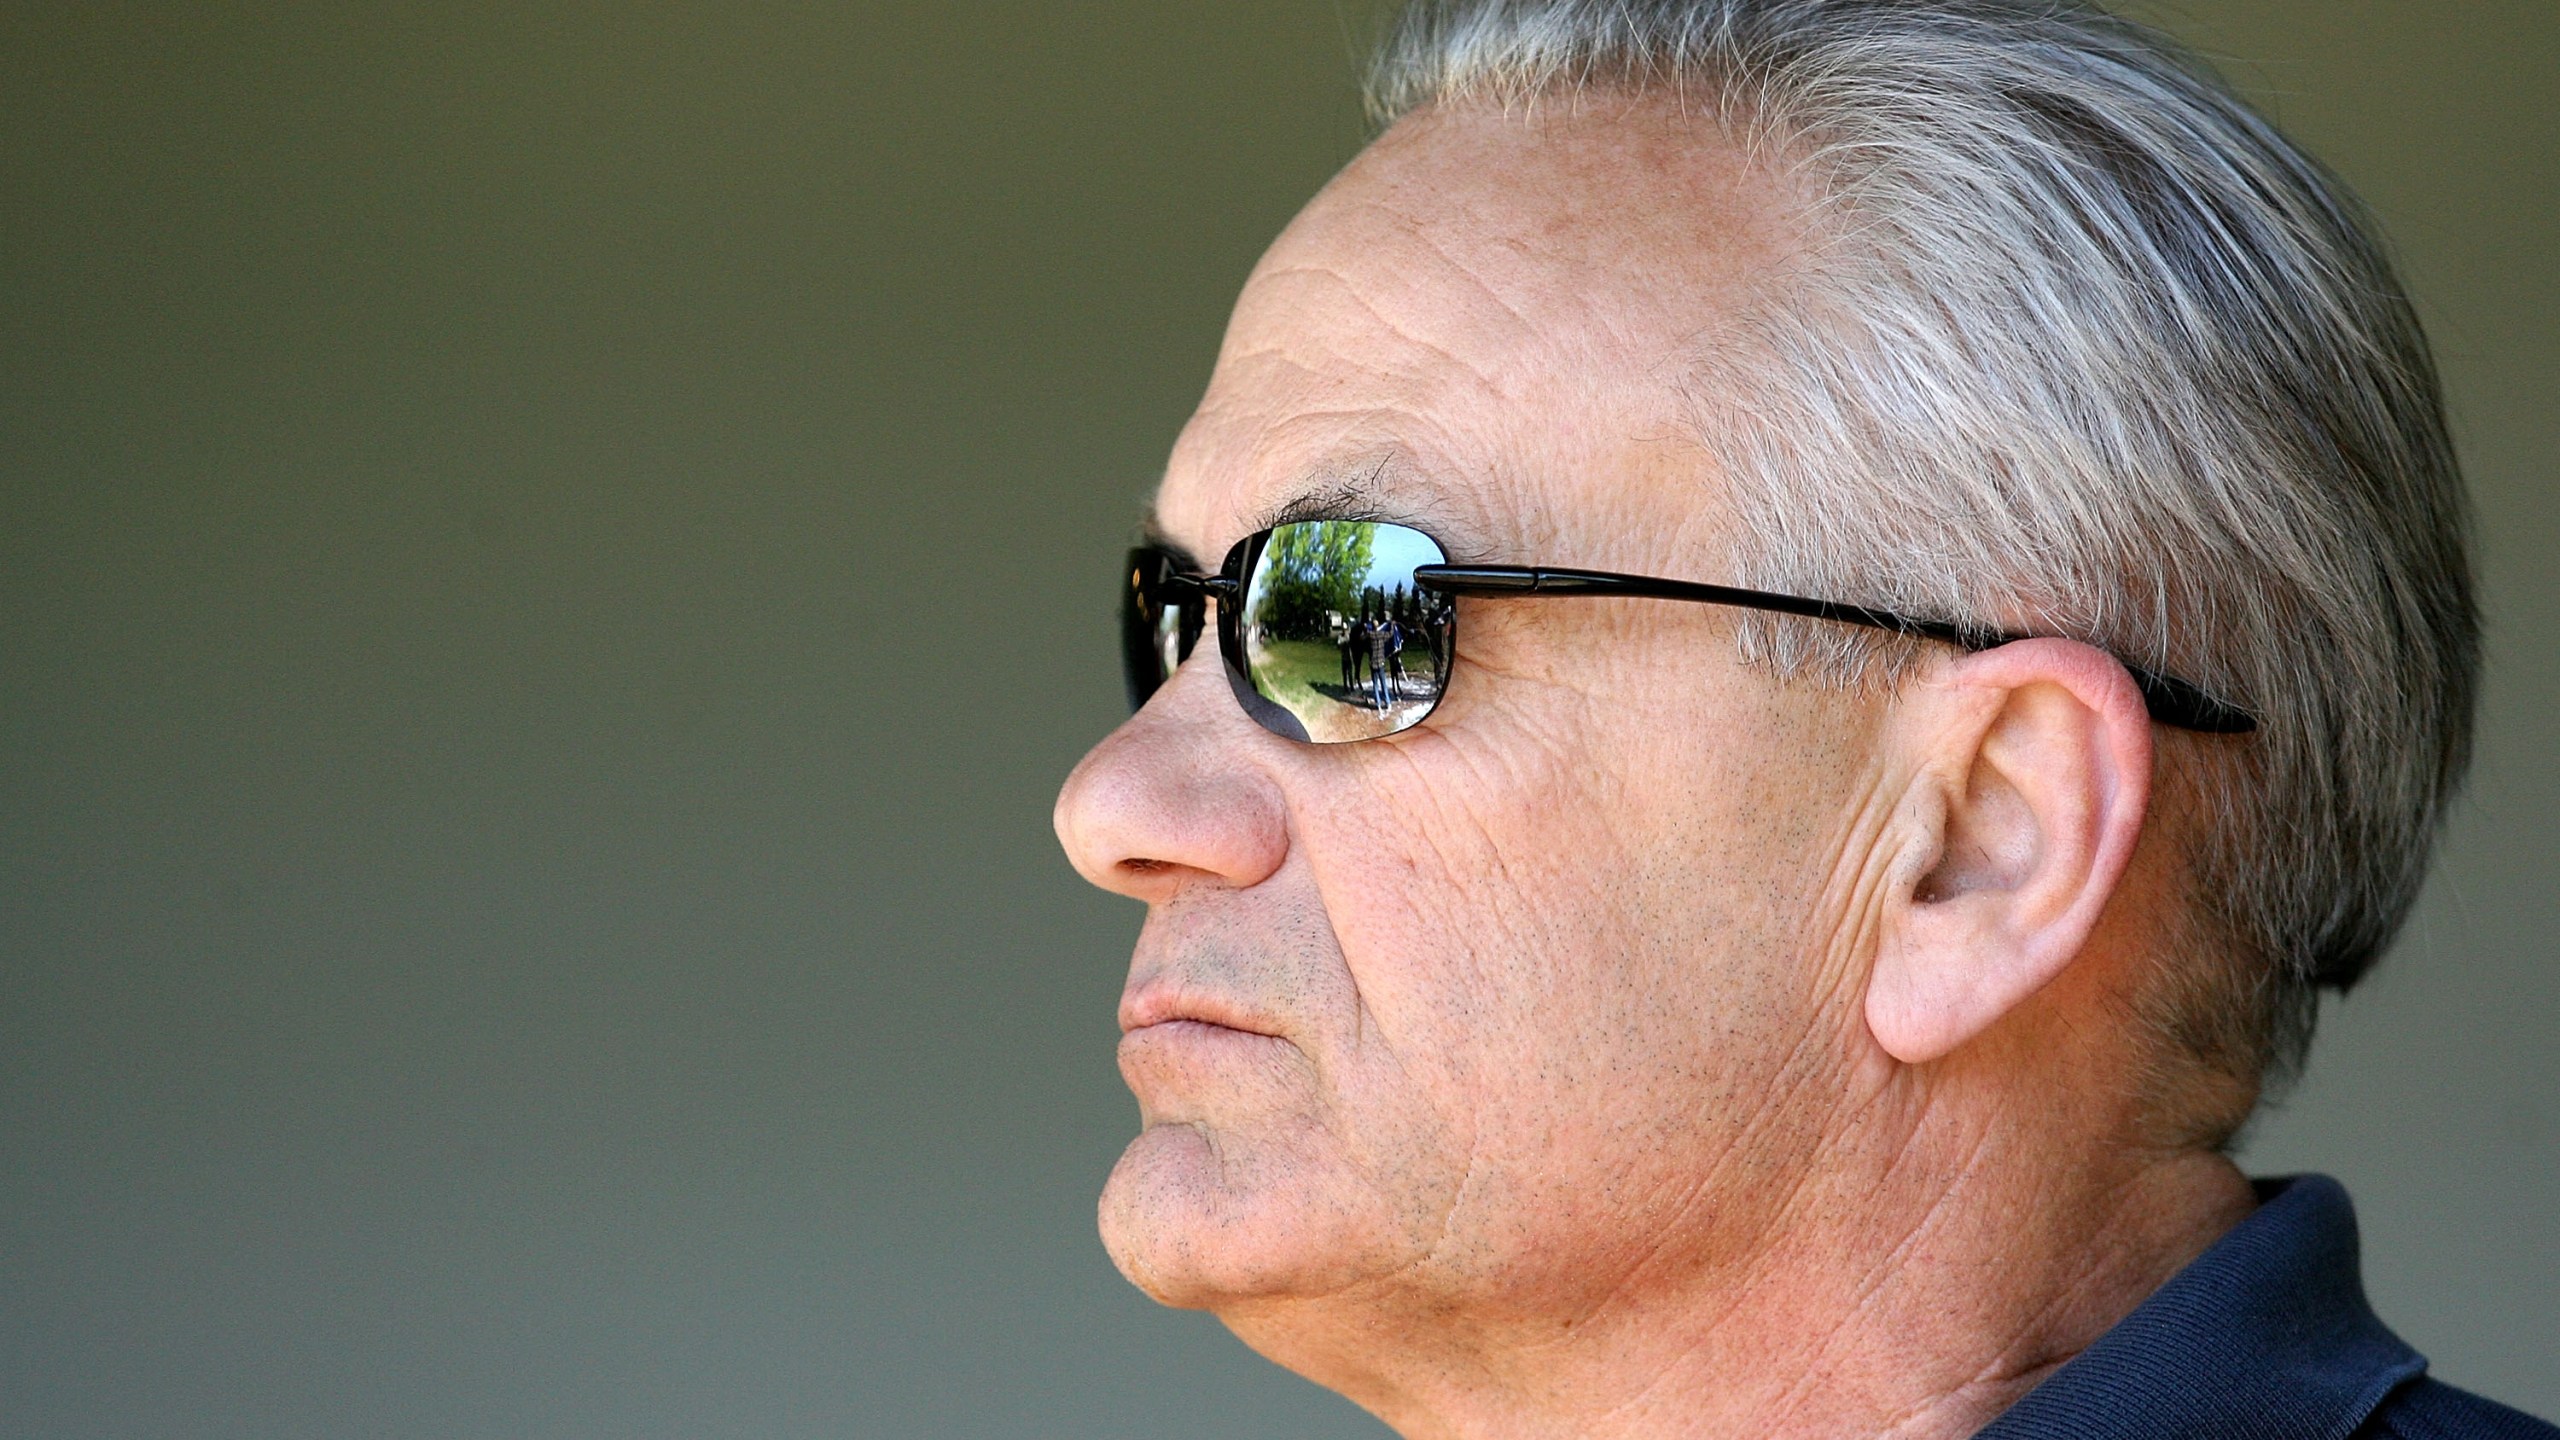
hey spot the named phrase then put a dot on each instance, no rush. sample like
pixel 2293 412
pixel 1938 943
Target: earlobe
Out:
pixel 2031 770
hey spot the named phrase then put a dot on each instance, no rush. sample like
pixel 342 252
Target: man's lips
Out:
pixel 1151 1006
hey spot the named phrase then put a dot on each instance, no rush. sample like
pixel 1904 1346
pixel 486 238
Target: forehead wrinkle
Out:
pixel 1278 350
pixel 1616 230
pixel 1443 252
pixel 1447 289
pixel 1253 458
pixel 1435 247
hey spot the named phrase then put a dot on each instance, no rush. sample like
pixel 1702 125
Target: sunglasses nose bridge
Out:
pixel 1225 588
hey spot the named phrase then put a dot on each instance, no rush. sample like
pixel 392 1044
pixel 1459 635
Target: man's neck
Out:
pixel 1886 1304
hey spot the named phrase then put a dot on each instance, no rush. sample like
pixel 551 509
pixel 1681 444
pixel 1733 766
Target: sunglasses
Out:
pixel 1339 630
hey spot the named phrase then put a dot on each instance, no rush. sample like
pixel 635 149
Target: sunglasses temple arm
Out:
pixel 2170 700
pixel 1492 580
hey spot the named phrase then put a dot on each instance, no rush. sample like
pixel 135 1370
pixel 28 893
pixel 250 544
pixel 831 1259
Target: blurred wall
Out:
pixel 551 559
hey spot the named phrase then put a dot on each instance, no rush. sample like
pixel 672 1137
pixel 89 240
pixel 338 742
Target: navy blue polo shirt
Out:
pixel 2266 1336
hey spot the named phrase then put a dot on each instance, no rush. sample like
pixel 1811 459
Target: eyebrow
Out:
pixel 1151 533
pixel 1358 497
pixel 1327 495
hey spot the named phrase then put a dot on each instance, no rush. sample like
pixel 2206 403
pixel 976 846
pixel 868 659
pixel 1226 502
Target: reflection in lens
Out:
pixel 1157 629
pixel 1337 633
pixel 1139 663
pixel 1168 642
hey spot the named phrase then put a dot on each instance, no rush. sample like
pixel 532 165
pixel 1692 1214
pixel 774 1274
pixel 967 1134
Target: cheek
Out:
pixel 1485 902
pixel 1454 872
pixel 1586 943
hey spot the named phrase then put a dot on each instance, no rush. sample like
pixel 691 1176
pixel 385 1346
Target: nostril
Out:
pixel 1153 808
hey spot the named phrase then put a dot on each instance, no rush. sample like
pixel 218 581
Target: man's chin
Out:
pixel 1202 1220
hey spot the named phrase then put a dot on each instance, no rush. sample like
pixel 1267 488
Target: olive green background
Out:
pixel 551 558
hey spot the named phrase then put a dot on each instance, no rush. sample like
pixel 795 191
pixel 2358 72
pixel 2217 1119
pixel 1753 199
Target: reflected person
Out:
pixel 1348 642
pixel 1385 639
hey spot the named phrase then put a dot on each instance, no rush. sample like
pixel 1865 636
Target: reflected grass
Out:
pixel 1305 677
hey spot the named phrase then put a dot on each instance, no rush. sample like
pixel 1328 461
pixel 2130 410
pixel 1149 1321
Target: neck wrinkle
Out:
pixel 1915 1298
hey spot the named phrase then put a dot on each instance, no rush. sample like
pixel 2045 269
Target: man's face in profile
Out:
pixel 1501 1001
pixel 1824 1009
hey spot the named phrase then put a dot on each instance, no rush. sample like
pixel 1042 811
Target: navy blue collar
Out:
pixel 2266 1336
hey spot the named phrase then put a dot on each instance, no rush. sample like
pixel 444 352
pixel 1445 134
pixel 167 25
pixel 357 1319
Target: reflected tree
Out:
pixel 1312 572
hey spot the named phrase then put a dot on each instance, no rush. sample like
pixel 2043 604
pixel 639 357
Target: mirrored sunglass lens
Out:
pixel 1337 634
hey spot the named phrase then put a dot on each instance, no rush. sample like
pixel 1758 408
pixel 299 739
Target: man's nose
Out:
pixel 1174 797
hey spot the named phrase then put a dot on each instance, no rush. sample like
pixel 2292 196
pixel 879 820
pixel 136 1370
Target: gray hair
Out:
pixel 2086 347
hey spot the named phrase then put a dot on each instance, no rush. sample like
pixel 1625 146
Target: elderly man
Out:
pixel 1821 1010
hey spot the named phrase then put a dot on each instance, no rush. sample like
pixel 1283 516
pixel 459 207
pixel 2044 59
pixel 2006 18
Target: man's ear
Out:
pixel 2031 773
